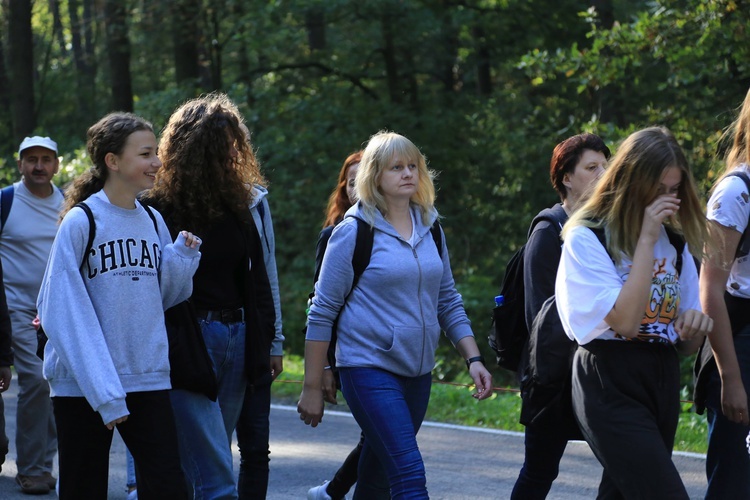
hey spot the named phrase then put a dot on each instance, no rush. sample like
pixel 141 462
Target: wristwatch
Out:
pixel 475 358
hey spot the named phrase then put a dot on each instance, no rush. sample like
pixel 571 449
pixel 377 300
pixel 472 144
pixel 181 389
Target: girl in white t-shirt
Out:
pixel 631 306
pixel 724 375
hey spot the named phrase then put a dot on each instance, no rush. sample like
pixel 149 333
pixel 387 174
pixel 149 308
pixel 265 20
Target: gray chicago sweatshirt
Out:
pixel 105 320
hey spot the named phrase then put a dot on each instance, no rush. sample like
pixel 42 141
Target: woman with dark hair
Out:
pixel 102 305
pixel 576 165
pixel 207 183
pixel 627 292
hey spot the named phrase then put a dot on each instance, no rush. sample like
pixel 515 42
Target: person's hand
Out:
pixel 310 406
pixel 116 421
pixel 36 323
pixel 277 366
pixel 191 240
pixel 734 401
pixel 693 324
pixel 663 207
pixel 329 387
pixel 5 376
pixel 482 379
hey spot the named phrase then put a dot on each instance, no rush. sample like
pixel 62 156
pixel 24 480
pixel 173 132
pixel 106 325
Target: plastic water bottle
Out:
pixel 499 300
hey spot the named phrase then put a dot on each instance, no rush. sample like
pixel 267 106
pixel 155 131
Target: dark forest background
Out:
pixel 485 87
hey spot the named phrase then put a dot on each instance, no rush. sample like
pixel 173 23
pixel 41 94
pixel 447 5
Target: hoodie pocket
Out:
pixel 412 349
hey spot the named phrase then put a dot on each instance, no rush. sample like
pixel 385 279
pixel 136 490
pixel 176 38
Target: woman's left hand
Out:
pixel 482 379
pixel 693 324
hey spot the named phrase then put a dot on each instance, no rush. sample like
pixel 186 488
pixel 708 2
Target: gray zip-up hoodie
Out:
pixel 393 317
pixel 105 320
pixel 268 242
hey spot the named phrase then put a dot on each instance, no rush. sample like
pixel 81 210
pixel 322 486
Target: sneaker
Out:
pixel 32 485
pixel 133 494
pixel 318 492
pixel 49 479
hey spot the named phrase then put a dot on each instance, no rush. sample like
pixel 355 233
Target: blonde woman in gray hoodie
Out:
pixel 390 323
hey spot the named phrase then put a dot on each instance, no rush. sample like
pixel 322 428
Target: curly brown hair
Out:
pixel 209 167
pixel 108 135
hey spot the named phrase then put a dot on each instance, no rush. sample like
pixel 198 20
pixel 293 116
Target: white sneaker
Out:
pixel 133 495
pixel 318 492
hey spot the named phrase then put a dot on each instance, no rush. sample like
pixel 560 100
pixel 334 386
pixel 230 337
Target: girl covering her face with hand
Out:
pixel 631 303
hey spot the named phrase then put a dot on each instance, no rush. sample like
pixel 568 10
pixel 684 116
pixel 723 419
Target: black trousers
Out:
pixel 626 398
pixel 149 433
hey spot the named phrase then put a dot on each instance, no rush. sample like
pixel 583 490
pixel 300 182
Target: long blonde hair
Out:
pixel 631 183
pixel 739 131
pixel 380 150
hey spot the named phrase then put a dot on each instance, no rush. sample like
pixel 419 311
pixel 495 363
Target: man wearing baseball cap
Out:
pixel 29 213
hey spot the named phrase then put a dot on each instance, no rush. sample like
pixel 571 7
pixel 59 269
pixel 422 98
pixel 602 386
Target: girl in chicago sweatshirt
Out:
pixel 102 305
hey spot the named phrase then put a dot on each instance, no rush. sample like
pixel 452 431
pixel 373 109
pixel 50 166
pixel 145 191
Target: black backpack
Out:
pixel 360 261
pixel 509 332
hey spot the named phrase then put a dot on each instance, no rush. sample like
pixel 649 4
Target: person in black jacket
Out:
pixel 207 182
pixel 6 360
pixel 576 165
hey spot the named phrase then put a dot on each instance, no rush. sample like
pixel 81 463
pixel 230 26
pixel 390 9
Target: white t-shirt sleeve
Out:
pixel 730 204
pixel 587 285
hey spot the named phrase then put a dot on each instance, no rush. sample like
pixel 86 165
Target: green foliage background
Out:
pixel 555 69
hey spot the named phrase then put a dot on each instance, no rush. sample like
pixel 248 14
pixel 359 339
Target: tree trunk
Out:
pixel 216 51
pixel 5 132
pixel 315 23
pixel 484 73
pixel 184 34
pixel 607 99
pixel 84 72
pixel 57 27
pixel 389 58
pixel 21 69
pixel 118 51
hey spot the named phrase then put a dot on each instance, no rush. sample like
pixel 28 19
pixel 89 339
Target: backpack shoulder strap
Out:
pixel 602 237
pixel 6 200
pixel 743 247
pixel 437 236
pixel 153 218
pixel 678 242
pixel 555 216
pixel 362 249
pixel 92 230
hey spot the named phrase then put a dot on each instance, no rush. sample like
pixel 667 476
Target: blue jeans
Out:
pixel 389 409
pixel 130 481
pixel 225 343
pixel 204 452
pixel 727 459
pixel 252 439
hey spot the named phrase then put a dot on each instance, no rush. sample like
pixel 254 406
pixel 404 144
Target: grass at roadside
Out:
pixel 452 403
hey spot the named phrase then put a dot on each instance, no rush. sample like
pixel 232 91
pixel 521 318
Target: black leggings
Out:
pixel 84 441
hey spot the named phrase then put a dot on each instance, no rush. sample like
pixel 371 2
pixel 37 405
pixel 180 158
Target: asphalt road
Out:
pixel 462 463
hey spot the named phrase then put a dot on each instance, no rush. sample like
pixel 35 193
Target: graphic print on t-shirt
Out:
pixel 663 304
